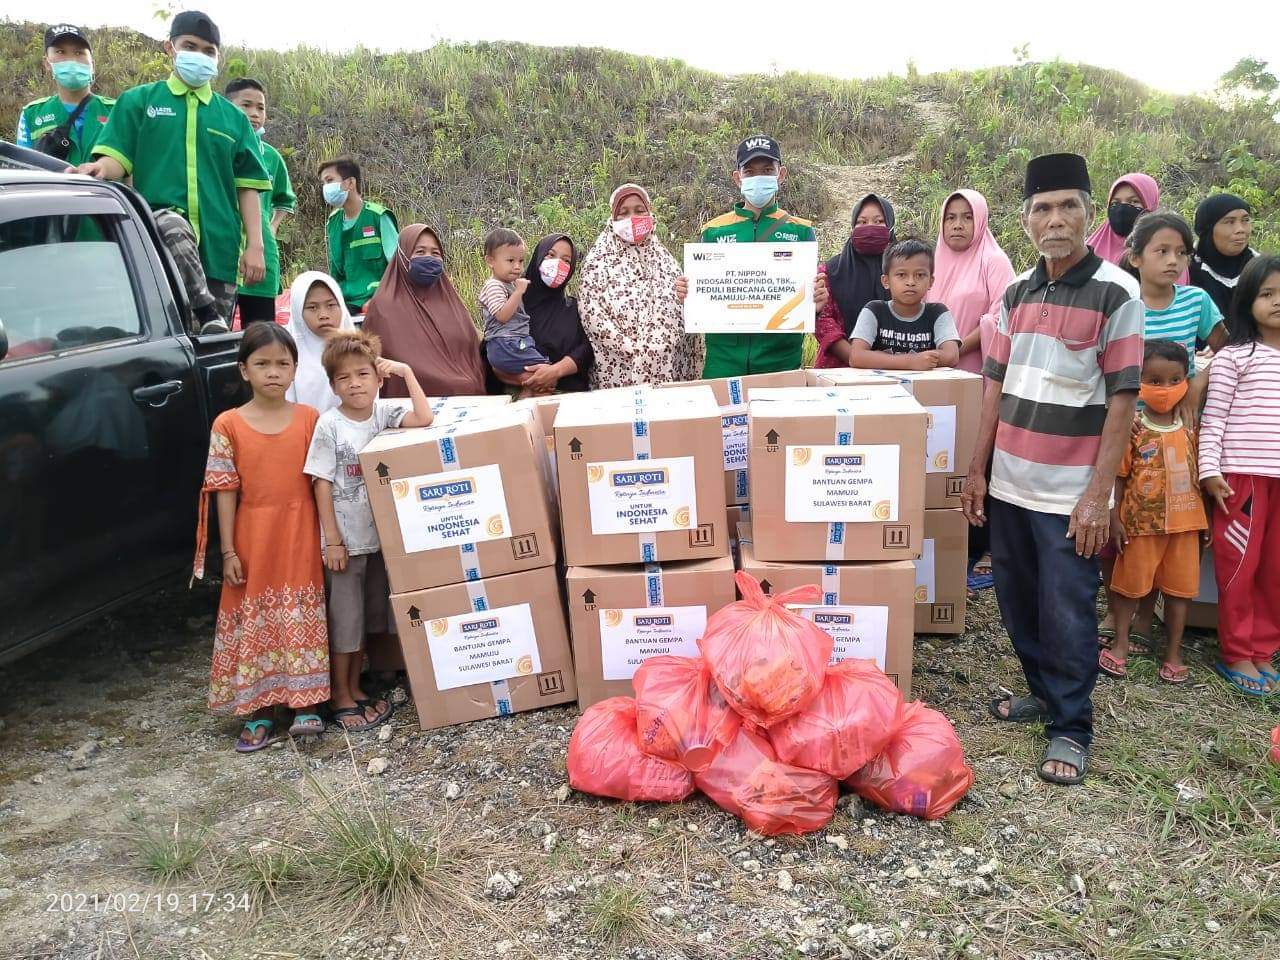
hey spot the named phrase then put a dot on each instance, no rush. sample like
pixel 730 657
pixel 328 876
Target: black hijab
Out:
pixel 854 278
pixel 1208 213
pixel 1212 270
pixel 554 323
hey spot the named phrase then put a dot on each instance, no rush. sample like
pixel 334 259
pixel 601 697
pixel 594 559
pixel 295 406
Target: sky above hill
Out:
pixel 1178 46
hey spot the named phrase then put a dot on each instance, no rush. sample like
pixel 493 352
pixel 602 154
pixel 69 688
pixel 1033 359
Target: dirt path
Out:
pixel 847 184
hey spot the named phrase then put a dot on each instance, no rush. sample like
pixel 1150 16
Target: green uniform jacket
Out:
pixel 280 198
pixel 356 255
pixel 41 116
pixel 738 354
pixel 191 151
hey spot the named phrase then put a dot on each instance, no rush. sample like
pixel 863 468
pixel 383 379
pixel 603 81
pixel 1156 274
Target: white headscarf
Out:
pixel 311 384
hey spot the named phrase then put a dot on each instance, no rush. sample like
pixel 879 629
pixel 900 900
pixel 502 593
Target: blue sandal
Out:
pixel 1271 677
pixel 306 725
pixel 1239 680
pixel 252 727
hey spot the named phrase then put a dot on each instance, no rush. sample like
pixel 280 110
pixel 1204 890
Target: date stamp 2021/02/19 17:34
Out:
pixel 142 902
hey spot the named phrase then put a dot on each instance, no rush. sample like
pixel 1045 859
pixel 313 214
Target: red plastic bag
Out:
pixel 605 758
pixel 848 723
pixel 767 661
pixel 1275 746
pixel 680 714
pixel 921 772
pixel 771 797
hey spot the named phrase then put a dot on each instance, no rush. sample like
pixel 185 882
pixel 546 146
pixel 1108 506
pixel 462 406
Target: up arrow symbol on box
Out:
pixel 771 438
pixel 382 470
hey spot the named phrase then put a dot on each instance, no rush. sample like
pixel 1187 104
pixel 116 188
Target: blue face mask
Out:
pixel 425 271
pixel 195 69
pixel 334 195
pixel 759 191
pixel 72 74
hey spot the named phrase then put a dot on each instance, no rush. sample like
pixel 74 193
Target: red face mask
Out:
pixel 1162 399
pixel 870 238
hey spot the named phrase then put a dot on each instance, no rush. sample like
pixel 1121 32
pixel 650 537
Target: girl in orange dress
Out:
pixel 271 643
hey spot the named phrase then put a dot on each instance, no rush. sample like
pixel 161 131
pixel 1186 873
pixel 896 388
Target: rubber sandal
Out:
pixel 1270 675
pixel 364 725
pixel 1171 674
pixel 1139 645
pixel 1238 680
pixel 1105 636
pixel 253 726
pixel 306 725
pixel 1064 750
pixel 1112 665
pixel 383 715
pixel 1026 709
pixel 982 566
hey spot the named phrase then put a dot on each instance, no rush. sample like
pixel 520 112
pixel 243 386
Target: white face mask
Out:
pixel 554 272
pixel 634 229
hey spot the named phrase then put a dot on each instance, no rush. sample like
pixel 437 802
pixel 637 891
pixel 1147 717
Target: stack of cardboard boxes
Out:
pixel 953 401
pixel 838 501
pixel 733 394
pixel 468 532
pixel 644 528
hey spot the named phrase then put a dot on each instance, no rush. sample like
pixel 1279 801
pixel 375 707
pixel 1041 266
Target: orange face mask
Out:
pixel 1162 399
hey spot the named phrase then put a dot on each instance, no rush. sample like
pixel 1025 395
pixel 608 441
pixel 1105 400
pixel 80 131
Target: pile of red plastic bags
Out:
pixel 766 728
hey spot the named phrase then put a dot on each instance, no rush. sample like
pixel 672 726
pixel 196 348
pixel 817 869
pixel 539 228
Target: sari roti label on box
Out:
pixel 642 496
pixel 940 441
pixel 629 637
pixel 733 427
pixel 483 647
pixel 842 484
pixel 861 632
pixel 452 508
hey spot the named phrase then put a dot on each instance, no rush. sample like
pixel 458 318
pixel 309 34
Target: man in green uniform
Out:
pixel 258 302
pixel 67 124
pixel 362 236
pixel 195 159
pixel 758 219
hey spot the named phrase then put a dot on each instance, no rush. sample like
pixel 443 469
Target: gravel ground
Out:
pixel 129 828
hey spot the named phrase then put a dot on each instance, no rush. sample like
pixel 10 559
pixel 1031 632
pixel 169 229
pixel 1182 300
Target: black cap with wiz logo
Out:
pixel 193 23
pixel 64 31
pixel 758 146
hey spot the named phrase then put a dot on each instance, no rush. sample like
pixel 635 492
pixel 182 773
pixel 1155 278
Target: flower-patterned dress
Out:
pixel 271 642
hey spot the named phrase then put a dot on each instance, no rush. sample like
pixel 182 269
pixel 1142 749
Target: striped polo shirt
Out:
pixel 1061 349
pixel 1191 316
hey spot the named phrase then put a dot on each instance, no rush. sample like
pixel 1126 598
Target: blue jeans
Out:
pixel 1047 596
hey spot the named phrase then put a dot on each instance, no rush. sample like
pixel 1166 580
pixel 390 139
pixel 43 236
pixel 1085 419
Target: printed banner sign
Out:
pixel 642 496
pixel 861 632
pixel 842 484
pixel 630 637
pixel 750 287
pixel 452 508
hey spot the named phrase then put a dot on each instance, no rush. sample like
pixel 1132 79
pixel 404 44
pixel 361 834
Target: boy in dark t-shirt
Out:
pixel 905 332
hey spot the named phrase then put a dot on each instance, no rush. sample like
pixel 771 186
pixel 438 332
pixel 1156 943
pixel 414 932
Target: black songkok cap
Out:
pixel 1056 171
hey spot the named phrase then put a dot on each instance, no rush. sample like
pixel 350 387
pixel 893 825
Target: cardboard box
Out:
pixel 838 477
pixel 732 394
pixel 545 408
pixel 942 573
pixel 621 616
pixel 953 399
pixel 642 481
pixel 737 513
pixel 1203 614
pixel 449 410
pixel 868 608
pixel 461 502
pixel 486 648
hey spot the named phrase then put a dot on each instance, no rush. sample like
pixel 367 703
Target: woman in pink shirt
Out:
pixel 970 273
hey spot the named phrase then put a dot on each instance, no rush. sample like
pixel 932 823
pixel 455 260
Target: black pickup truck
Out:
pixel 105 405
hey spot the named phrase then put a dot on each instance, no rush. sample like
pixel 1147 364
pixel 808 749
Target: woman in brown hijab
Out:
pixel 422 322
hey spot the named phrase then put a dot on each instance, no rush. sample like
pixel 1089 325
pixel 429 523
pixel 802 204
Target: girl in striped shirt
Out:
pixel 1240 473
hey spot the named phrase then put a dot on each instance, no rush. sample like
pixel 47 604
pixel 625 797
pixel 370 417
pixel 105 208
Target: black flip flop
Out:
pixel 356 711
pixel 383 715
pixel 1064 750
pixel 1026 709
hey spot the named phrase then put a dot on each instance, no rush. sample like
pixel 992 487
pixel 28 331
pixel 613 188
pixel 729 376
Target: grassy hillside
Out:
pixel 475 136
